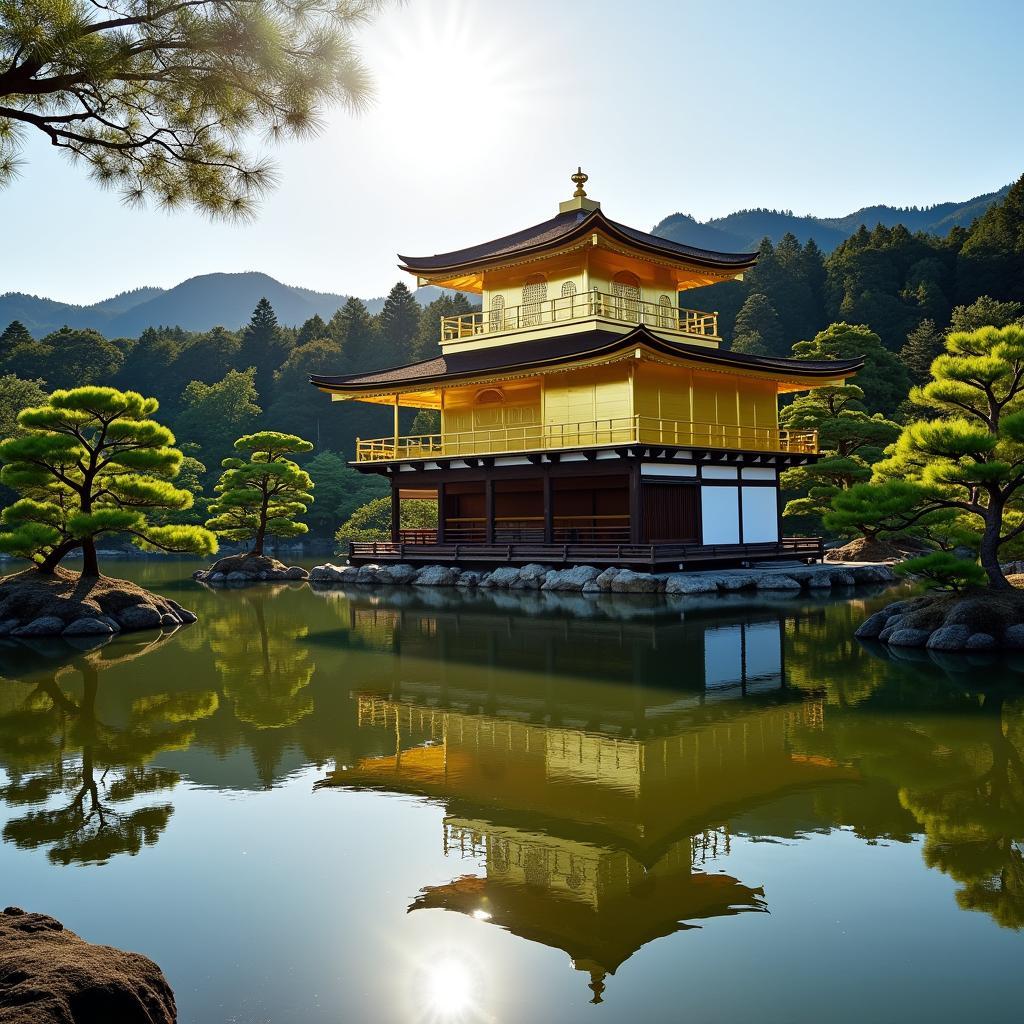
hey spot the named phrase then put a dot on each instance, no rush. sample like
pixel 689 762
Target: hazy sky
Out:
pixel 484 108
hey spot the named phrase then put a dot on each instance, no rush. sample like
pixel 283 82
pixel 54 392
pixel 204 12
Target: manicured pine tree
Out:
pixel 399 324
pixel 91 462
pixel 970 457
pixel 259 496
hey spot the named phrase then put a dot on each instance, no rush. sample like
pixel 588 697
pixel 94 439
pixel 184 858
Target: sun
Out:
pixel 451 85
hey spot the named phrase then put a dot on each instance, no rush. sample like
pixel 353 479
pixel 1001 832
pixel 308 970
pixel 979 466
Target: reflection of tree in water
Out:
pixel 55 746
pixel 953 757
pixel 264 666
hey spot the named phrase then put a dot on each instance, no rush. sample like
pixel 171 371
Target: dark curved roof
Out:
pixel 564 228
pixel 526 355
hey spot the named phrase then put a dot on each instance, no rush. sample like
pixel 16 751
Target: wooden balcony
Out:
pixel 587 434
pixel 580 306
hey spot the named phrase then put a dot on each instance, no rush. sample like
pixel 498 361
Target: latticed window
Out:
pixel 666 313
pixel 496 314
pixel 626 293
pixel 535 293
pixel 567 307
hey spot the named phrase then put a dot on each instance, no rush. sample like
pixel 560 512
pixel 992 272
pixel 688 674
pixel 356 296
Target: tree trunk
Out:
pixel 990 549
pixel 90 564
pixel 261 536
pixel 56 556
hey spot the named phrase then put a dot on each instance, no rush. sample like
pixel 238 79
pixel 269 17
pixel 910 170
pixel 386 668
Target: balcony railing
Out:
pixel 586 434
pixel 580 306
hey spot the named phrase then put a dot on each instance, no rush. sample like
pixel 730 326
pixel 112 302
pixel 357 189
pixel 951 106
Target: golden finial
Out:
pixel 579 179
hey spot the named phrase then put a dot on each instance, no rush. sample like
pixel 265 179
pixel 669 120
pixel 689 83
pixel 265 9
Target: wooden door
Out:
pixel 670 512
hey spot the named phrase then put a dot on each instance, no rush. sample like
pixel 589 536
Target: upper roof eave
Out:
pixel 561 230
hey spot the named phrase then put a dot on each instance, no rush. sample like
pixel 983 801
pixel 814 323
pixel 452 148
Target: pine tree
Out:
pixel 91 462
pixel 923 344
pixel 314 329
pixel 260 496
pixel 399 324
pixel 15 333
pixel 353 329
pixel 263 347
pixel 758 330
pixel 428 342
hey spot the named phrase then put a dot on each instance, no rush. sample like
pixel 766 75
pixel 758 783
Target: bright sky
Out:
pixel 484 108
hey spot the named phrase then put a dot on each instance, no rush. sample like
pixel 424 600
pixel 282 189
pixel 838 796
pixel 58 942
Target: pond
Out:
pixel 423 805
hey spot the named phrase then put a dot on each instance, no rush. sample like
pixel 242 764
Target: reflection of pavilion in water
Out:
pixel 591 809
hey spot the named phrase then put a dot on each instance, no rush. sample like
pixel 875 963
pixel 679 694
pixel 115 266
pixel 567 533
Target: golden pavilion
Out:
pixel 585 414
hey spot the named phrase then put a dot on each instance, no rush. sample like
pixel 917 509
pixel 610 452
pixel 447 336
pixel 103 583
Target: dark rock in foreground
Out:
pixel 48 975
pixel 36 604
pixel 977 620
pixel 244 569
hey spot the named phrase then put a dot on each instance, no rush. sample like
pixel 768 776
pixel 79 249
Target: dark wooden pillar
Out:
pixel 396 512
pixel 549 510
pixel 440 513
pixel 488 510
pixel 636 507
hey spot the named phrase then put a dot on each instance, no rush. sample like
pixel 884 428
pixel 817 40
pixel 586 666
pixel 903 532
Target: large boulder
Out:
pixel 605 580
pixel 88 626
pixel 570 579
pixel 468 579
pixel 534 571
pixel 328 573
pixel 140 616
pixel 777 581
pixel 44 625
pixel 48 975
pixel 909 638
pixel 686 583
pixel 949 638
pixel 436 576
pixel 501 578
pixel 872 626
pixel 732 581
pixel 629 582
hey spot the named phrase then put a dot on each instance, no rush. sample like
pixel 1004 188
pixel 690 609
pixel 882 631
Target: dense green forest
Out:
pixel 901 292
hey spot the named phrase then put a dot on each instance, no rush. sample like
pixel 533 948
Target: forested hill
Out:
pixel 197 304
pixel 743 231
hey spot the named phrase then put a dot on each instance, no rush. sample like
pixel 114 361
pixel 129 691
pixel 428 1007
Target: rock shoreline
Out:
pixel 588 579
pixel 62 604
pixel 977 620
pixel 245 569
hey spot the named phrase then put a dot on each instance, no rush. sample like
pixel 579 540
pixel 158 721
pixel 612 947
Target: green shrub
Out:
pixel 944 571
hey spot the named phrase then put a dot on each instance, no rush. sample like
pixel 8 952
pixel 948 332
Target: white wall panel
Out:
pixel 720 514
pixel 760 515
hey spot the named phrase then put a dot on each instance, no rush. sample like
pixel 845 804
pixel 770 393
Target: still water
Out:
pixel 431 806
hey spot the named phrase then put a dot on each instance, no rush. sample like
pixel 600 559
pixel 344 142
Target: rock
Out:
pixel 49 974
pixel 973 612
pixel 215 577
pixel 200 575
pixel 328 573
pixel 369 574
pixel 629 582
pixel 139 616
pixel 842 579
pixel 436 576
pixel 909 638
pixel 980 642
pixel 534 571
pixel 815 580
pixel 592 587
pixel 187 617
pixel 237 577
pixel 684 583
pixel 116 626
pixel 948 638
pixel 526 582
pixel 570 579
pixel 401 573
pixel 88 626
pixel 871 627
pixel 295 572
pixel 169 621
pixel 501 578
pixel 8 626
pixel 777 581
pixel 45 625
pixel 605 579
pixel 468 579
pixel 729 582
pixel 1013 636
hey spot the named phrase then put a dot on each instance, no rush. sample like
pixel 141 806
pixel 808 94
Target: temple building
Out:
pixel 584 415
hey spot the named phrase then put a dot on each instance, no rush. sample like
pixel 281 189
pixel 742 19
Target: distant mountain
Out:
pixel 742 231
pixel 196 304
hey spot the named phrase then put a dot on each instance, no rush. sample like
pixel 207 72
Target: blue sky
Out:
pixel 484 108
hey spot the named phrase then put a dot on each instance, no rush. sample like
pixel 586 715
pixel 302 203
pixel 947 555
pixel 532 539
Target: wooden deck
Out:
pixel 641 557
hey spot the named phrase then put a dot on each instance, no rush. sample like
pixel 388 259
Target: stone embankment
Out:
pixel 587 579
pixel 241 570
pixel 34 604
